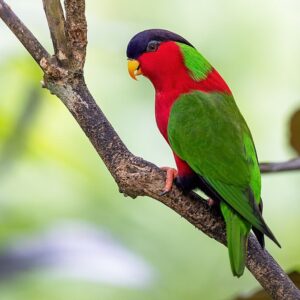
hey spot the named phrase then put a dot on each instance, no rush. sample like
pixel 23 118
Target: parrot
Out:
pixel 212 145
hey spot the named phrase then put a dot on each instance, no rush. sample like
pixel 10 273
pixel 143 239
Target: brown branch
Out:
pixel 290 165
pixel 135 176
pixel 76 30
pixel 56 24
pixel 33 46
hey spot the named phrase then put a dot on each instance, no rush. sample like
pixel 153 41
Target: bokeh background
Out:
pixel 65 231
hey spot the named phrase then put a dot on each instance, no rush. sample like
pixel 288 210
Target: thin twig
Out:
pixel 135 176
pixel 56 24
pixel 290 165
pixel 33 46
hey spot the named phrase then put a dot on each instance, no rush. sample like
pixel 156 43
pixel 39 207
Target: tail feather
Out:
pixel 264 228
pixel 260 228
pixel 237 231
pixel 259 235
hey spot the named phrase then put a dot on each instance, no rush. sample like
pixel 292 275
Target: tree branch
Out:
pixel 290 165
pixel 56 24
pixel 135 176
pixel 76 30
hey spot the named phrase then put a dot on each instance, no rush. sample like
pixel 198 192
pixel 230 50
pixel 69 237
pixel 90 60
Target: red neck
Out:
pixel 166 70
pixel 164 67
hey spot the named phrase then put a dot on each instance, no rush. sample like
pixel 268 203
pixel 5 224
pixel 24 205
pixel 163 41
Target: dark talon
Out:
pixel 164 192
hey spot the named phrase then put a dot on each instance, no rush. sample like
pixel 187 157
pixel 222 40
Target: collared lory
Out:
pixel 212 144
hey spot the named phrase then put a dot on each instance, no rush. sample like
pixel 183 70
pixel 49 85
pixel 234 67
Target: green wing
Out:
pixel 208 132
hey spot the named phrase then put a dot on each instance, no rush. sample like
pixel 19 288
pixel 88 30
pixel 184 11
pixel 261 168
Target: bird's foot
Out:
pixel 171 175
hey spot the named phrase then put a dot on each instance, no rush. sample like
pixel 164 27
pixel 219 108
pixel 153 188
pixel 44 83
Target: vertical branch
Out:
pixel 56 24
pixel 76 32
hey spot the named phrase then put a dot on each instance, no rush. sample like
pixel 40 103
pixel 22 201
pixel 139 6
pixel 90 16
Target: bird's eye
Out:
pixel 152 46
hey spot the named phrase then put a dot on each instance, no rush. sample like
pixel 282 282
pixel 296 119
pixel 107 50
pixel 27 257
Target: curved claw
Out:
pixel 164 192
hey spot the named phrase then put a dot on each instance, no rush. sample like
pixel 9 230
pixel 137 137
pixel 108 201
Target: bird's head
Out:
pixel 155 54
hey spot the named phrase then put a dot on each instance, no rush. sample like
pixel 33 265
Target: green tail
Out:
pixel 237 231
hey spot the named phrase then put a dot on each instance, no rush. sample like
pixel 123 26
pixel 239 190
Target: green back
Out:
pixel 208 132
pixel 198 66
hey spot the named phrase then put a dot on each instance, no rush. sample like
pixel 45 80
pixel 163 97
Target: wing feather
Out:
pixel 210 134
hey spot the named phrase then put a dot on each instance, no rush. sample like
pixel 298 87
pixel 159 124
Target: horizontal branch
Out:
pixel 135 176
pixel 290 165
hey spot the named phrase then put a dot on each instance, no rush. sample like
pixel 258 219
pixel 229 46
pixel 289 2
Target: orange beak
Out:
pixel 134 68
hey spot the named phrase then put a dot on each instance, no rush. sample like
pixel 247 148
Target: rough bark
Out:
pixel 133 175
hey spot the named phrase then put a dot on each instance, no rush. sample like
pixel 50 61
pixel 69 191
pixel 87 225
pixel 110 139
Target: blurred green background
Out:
pixel 65 231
